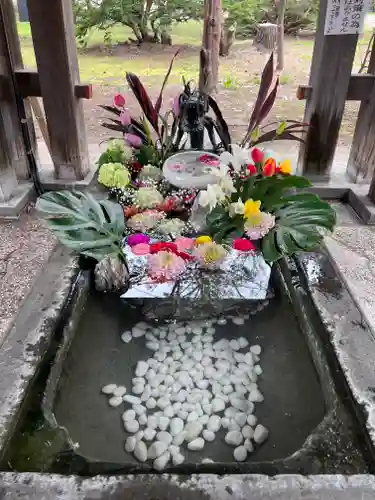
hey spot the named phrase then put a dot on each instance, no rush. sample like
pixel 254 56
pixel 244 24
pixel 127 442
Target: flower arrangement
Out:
pixel 253 204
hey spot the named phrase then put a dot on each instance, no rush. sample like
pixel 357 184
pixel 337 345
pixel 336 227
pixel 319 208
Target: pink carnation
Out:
pixel 165 266
pixel 133 140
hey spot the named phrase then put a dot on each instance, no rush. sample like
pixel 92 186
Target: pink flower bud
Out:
pixel 176 106
pixel 133 140
pixel 119 100
pixel 125 117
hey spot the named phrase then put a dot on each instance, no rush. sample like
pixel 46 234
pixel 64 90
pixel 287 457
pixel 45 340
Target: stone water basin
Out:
pixel 310 430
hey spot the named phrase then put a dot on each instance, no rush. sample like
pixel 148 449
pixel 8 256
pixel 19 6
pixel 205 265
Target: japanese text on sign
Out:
pixel 345 17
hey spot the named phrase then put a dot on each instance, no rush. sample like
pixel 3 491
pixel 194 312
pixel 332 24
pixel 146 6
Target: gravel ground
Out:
pixel 25 245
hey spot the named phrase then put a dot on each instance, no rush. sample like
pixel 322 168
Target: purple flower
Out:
pixel 133 140
pixel 125 117
pixel 135 239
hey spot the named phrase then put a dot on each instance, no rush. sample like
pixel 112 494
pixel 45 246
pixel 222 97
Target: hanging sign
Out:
pixel 345 17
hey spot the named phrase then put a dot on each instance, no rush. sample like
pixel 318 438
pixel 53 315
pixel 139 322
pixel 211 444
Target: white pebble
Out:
pixel 141 369
pixel 139 409
pixel 227 389
pixel 214 423
pixel 230 412
pixel 243 342
pixel 153 346
pixel 139 435
pixel 192 430
pixel 247 432
pixel 248 445
pixel 260 434
pixel 151 403
pixel 197 330
pixel 140 451
pixel 176 426
pixel 222 321
pixel 179 439
pixel 134 400
pixel 258 369
pixel 178 459
pixel 256 349
pixel 240 454
pixel 142 419
pixel 156 449
pixel 217 405
pixel 109 389
pixel 225 421
pixel 233 426
pixel 128 415
pixel 252 420
pixel 208 435
pixel 192 417
pixel 233 438
pixel 256 396
pixel 163 423
pixel 161 462
pixel 207 461
pixel 115 401
pixel 164 437
pixel 149 434
pixel 240 418
pixel 169 412
pixel 196 444
pixel 152 422
pixel 130 444
pixel 183 414
pixel 131 426
pixel 126 337
pixel 207 408
pixel 204 419
pixel 238 320
pixel 137 332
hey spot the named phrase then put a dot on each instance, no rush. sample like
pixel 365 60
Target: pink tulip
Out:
pixel 119 100
pixel 125 117
pixel 133 140
pixel 176 106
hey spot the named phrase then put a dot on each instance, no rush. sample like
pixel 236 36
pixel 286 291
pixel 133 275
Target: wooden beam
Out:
pixel 11 59
pixel 361 163
pixel 28 85
pixel 330 75
pixel 56 56
pixel 359 89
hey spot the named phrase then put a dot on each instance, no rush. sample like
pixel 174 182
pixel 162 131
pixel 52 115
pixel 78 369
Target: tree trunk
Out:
pixel 209 61
pixel 280 36
pixel 228 35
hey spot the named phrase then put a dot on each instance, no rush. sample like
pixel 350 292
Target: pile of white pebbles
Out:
pixel 188 390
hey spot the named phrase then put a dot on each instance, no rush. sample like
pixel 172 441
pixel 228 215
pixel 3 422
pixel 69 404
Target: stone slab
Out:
pixel 21 195
pixel 197 487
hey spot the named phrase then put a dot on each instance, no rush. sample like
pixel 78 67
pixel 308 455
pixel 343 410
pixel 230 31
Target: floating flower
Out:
pixel 236 208
pixel 114 175
pixel 257 155
pixel 258 228
pixel 171 226
pixel 177 167
pixel 184 243
pixel 133 140
pixel 251 168
pixel 212 196
pixel 150 172
pixel 269 167
pixel 210 255
pixel 119 100
pixel 165 266
pixel 135 239
pixel 145 221
pixel 238 157
pixel 148 197
pixel 251 209
pixel 202 239
pixel 244 245
pixel 285 167
pixel 210 160
pixel 125 117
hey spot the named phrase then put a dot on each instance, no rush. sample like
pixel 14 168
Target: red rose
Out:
pixel 158 247
pixel 119 100
pixel 244 245
pixel 252 169
pixel 257 155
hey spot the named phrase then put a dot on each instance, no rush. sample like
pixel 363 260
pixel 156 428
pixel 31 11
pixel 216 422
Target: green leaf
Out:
pixel 299 220
pixel 83 224
pixel 255 134
pixel 281 128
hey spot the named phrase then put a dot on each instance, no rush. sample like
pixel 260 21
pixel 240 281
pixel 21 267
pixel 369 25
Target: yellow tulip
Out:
pixel 285 167
pixel 203 239
pixel 252 208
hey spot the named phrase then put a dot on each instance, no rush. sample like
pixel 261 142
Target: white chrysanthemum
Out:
pixel 148 197
pixel 256 228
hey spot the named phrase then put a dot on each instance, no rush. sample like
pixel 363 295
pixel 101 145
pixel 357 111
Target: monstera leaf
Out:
pixel 300 219
pixel 85 225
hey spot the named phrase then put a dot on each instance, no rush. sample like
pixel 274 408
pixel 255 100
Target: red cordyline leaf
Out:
pixel 265 84
pixel 268 103
pixel 160 98
pixel 144 100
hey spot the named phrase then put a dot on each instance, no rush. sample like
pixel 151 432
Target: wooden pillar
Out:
pixel 11 60
pixel 56 55
pixel 361 164
pixel 331 69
